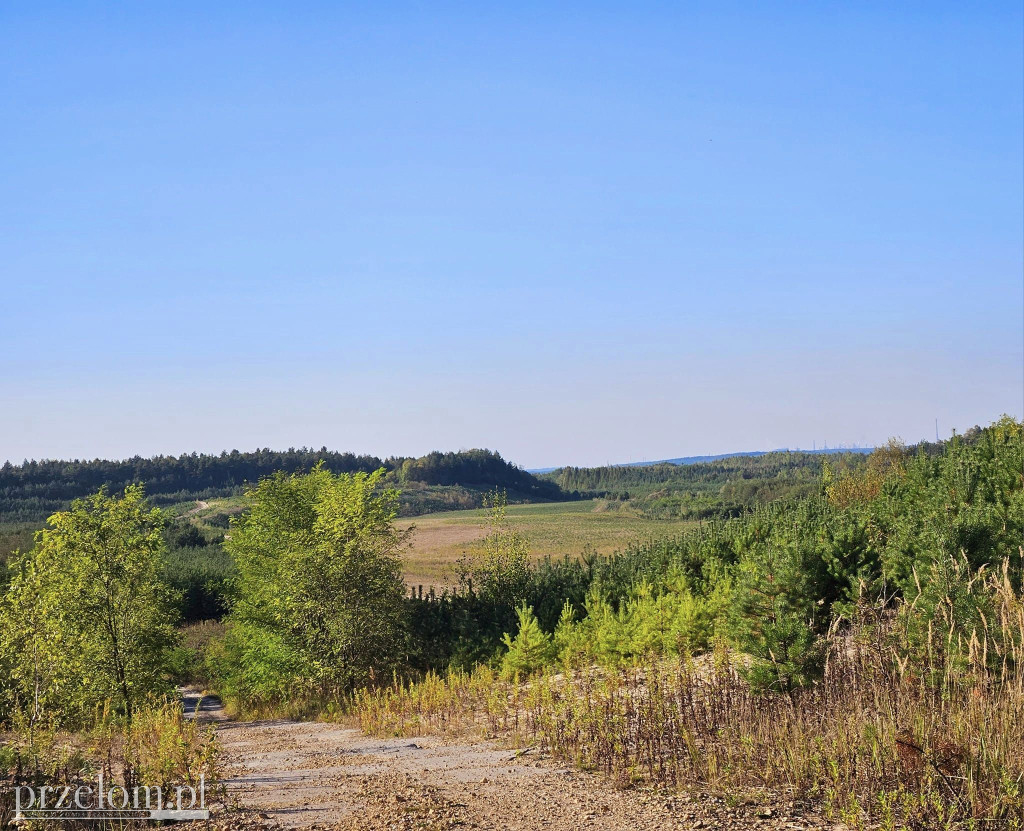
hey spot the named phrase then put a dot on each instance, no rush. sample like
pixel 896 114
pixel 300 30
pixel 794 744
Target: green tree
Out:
pixel 319 601
pixel 500 570
pixel 87 618
pixel 775 615
pixel 531 649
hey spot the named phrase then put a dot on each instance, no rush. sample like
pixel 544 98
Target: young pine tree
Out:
pixel 531 648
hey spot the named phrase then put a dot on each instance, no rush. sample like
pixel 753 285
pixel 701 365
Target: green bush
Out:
pixel 88 619
pixel 531 648
pixel 319 607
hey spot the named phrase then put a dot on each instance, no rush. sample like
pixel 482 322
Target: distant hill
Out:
pixel 692 460
pixel 704 487
pixel 32 491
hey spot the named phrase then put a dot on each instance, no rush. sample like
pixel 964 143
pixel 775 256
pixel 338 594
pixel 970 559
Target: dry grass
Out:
pixel 883 741
pixel 874 752
pixel 160 747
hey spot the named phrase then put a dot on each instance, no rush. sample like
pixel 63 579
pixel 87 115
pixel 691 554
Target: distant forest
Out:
pixel 718 488
pixel 438 481
pixel 32 491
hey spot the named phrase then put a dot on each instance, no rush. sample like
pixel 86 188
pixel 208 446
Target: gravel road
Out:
pixel 325 776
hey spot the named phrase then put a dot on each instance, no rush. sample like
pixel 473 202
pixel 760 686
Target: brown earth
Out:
pixel 434 550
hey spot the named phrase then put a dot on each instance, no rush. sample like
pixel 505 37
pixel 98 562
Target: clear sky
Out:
pixel 573 233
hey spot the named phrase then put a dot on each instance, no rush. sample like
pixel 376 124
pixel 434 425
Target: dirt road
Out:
pixel 315 775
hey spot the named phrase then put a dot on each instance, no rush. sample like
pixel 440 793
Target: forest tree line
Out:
pixel 718 488
pixel 33 490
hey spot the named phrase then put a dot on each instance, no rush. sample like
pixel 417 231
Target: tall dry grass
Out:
pixel 159 747
pixel 887 739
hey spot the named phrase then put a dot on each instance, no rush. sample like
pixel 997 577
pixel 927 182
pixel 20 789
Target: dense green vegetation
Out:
pixel 868 641
pixel 903 524
pixel 771 581
pixel 87 621
pixel 703 490
pixel 197 567
pixel 913 555
pixel 199 570
pixel 35 489
pixel 318 607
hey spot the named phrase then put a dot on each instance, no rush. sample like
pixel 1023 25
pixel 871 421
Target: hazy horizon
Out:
pixel 575 238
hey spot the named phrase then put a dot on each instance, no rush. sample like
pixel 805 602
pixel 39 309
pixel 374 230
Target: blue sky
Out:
pixel 578 234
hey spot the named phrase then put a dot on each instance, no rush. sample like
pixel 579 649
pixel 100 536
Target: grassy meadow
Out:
pixel 553 530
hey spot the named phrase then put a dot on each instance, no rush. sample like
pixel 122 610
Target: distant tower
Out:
pixel 936 431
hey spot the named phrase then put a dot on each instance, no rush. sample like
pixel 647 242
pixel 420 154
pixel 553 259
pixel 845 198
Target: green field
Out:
pixel 552 529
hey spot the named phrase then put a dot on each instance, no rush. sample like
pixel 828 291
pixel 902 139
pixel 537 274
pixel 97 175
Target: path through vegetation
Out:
pixel 317 775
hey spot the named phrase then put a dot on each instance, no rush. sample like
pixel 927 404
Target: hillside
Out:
pixel 31 491
pixel 714 457
pixel 719 487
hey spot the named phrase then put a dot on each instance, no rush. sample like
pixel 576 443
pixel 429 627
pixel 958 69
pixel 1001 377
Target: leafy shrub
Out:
pixel 87 619
pixel 319 605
